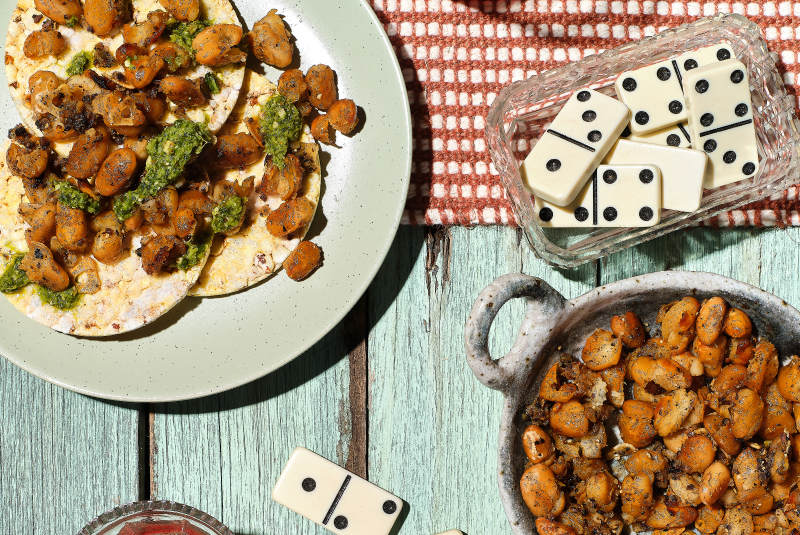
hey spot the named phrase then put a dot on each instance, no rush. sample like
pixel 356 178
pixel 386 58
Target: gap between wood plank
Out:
pixel 144 452
pixel 355 332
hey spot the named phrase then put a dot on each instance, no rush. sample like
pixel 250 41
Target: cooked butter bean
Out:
pixel 292 84
pixel 182 91
pixel 26 163
pixel 601 350
pixel 321 87
pixel 236 150
pixel 537 444
pixel 270 41
pixel 789 381
pixel 672 410
pixel 711 320
pixel 541 492
pixel 709 519
pixel 88 153
pixel 738 324
pixel 636 423
pixel 686 487
pixel 60 11
pixel 720 430
pixel 342 115
pixel 637 496
pixel 43 43
pixel 696 455
pixel 646 462
pixel 716 479
pixel 729 380
pixel 690 363
pixel 42 269
pixel 43 224
pixel 71 227
pixel 183 10
pixel 741 350
pixel 214 46
pixel 759 505
pixel 677 326
pixel 289 217
pixel 102 16
pixel 736 522
pixel 712 356
pixel 107 247
pixel 777 416
pixel 664 517
pixel 548 527
pixel 116 172
pixel 750 480
pixel 747 413
pixel 629 329
pixel 603 489
pixel 569 419
pixel 763 367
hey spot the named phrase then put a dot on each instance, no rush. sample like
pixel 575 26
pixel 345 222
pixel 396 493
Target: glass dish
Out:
pixel 114 521
pixel 522 112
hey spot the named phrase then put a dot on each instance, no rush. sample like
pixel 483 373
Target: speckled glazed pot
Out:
pixel 554 322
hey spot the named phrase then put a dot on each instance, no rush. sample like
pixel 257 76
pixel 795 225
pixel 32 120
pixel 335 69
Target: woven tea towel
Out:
pixel 456 56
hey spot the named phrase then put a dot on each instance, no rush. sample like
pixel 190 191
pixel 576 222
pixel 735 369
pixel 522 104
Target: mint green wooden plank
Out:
pixel 64 458
pixel 224 453
pixel 735 253
pixel 433 428
pixel 780 264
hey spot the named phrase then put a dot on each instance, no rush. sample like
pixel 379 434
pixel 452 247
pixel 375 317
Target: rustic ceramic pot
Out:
pixel 554 324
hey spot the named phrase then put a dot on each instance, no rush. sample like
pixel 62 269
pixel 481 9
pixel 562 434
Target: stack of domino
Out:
pixel 689 124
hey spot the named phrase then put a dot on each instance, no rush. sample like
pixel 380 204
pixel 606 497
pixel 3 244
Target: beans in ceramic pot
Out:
pixel 738 324
pixel 569 419
pixel 541 491
pixel 716 479
pixel 628 329
pixel 711 319
pixel 696 455
pixel 601 350
pixel 537 444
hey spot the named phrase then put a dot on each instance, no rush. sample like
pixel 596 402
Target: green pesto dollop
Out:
pixel 168 152
pixel 71 196
pixel 212 82
pixel 227 214
pixel 195 252
pixel 280 124
pixel 72 21
pixel 183 33
pixel 63 300
pixel 13 278
pixel 79 63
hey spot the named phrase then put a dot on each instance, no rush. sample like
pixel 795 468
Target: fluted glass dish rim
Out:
pixel 113 518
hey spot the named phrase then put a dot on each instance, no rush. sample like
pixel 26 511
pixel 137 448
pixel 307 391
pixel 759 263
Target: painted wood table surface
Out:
pixel 387 394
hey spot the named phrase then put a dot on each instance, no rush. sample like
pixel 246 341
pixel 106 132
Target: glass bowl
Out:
pixel 523 111
pixel 113 522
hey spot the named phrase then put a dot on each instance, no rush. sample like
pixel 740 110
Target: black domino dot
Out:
pixel 609 177
pixel 553 165
pixel 701 86
pixel 689 64
pixel 710 145
pixel 737 76
pixel 583 96
pixel 589 116
pixel 546 214
pixel 309 484
pixel 626 132
pixel 646 213
pixel 729 157
pixel 340 522
pixel 675 107
pixel 581 214
pixel 706 119
pixel 663 74
pixel 646 176
pixel 642 117
pixel 741 110
pixel 673 140
pixel 749 168
pixel 723 54
pixel 594 136
pixel 629 84
pixel 389 507
pixel 610 214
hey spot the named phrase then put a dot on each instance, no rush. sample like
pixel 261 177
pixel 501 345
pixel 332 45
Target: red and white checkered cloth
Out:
pixel 456 56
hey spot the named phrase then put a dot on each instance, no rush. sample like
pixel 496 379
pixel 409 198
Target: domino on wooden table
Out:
pixel 676 135
pixel 616 196
pixel 565 156
pixel 334 498
pixel 654 93
pixel 682 170
pixel 721 121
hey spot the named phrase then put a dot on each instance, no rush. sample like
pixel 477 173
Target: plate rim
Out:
pixel 345 307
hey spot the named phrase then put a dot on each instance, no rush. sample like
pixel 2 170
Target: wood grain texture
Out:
pixel 64 458
pixel 224 453
pixel 433 428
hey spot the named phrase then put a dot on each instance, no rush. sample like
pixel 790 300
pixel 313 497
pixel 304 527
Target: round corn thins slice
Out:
pixel 128 299
pixel 253 254
pixel 19 68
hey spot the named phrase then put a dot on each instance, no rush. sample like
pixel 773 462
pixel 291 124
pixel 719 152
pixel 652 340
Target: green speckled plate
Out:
pixel 204 346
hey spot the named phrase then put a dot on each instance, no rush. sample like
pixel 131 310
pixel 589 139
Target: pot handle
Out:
pixel 544 305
